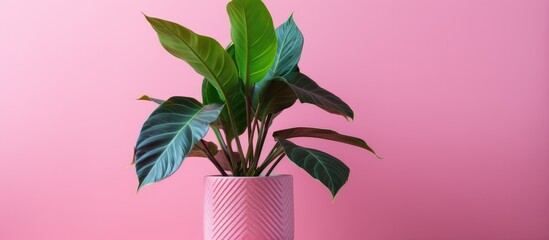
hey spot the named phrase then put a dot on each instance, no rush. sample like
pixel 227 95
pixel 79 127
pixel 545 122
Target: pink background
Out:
pixel 453 94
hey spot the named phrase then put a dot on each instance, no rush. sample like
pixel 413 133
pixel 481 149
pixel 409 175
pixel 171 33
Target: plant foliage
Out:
pixel 245 87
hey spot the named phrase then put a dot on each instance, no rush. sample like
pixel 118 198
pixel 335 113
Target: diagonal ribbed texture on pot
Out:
pixel 248 208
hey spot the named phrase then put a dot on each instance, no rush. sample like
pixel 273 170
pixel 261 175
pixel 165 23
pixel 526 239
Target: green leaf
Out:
pixel 329 170
pixel 323 134
pixel 211 95
pixel 147 98
pixel 197 152
pixel 205 55
pixel 274 97
pixel 254 37
pixel 168 136
pixel 230 51
pixel 307 91
pixel 288 52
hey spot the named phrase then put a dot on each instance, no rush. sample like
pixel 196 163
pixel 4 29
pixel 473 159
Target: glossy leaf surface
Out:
pixel 307 91
pixel 205 55
pixel 169 134
pixel 274 97
pixel 323 134
pixel 288 52
pixel 212 95
pixel 329 170
pixel 254 38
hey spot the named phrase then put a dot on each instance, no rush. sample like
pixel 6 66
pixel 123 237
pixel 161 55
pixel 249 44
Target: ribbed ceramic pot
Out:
pixel 249 208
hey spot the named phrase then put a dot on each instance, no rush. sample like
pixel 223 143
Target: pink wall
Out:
pixel 454 94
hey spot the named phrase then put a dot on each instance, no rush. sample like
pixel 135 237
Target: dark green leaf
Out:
pixel 274 97
pixel 211 95
pixel 254 37
pixel 230 51
pixel 308 91
pixel 323 134
pixel 168 136
pixel 329 170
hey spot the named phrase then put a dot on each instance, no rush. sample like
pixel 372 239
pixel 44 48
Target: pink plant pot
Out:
pixel 249 208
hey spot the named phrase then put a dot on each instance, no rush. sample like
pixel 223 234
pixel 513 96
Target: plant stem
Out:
pixel 240 151
pixel 252 156
pixel 255 160
pixel 219 138
pixel 228 154
pixel 264 129
pixel 259 134
pixel 255 123
pixel 272 155
pixel 274 165
pixel 235 133
pixel 212 158
pixel 256 120
pixel 235 164
pixel 249 154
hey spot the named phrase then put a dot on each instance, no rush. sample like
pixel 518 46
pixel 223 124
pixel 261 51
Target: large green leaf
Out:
pixel 329 170
pixel 254 37
pixel 308 91
pixel 195 151
pixel 323 134
pixel 169 134
pixel 211 95
pixel 273 97
pixel 205 55
pixel 288 52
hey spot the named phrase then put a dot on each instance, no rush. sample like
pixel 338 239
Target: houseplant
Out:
pixel 246 86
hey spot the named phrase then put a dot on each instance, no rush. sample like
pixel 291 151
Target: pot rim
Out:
pixel 249 177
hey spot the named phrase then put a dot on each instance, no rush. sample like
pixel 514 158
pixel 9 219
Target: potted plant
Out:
pixel 246 86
